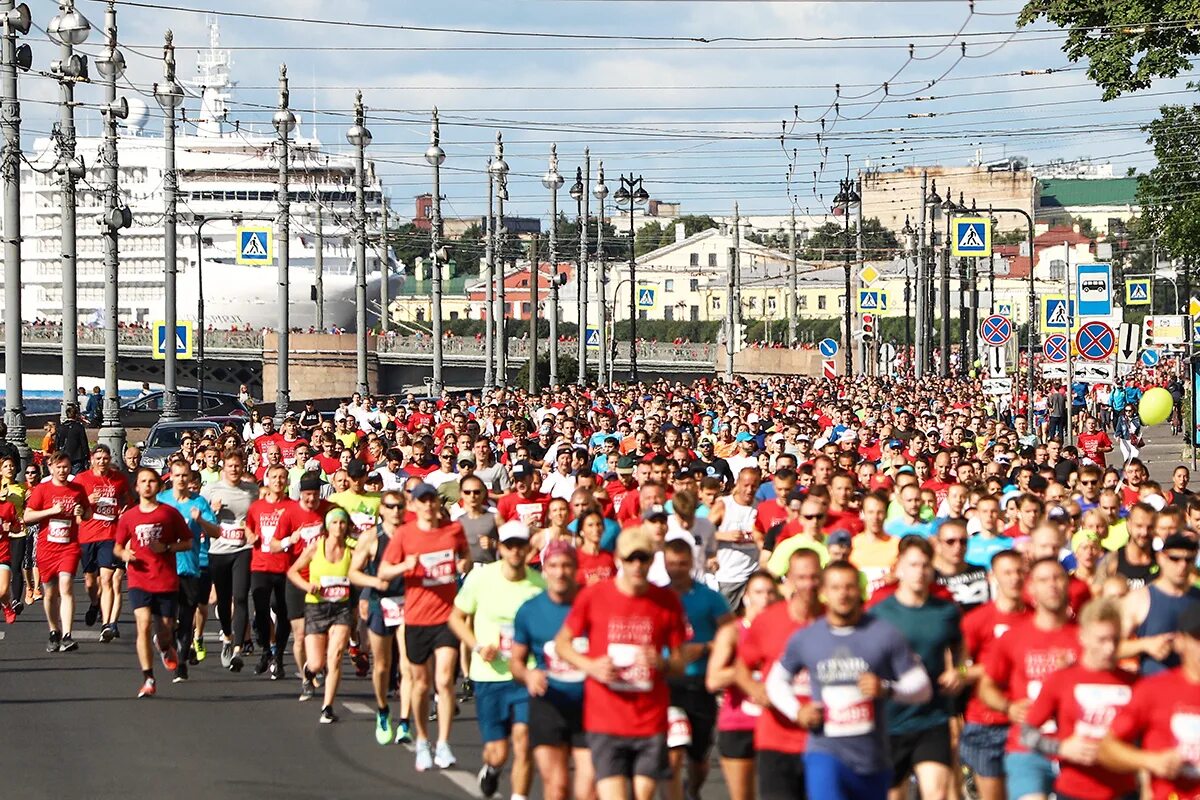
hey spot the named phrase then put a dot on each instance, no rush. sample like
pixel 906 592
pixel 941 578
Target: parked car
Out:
pixel 164 438
pixel 145 411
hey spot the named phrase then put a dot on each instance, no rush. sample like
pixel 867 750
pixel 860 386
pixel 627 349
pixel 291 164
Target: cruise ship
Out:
pixel 225 170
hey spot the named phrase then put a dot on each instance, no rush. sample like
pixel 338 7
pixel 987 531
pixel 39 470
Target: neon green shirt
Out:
pixel 362 508
pixel 493 600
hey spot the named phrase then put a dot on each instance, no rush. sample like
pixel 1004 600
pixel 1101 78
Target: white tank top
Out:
pixel 737 561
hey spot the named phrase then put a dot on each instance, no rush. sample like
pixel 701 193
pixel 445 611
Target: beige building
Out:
pixel 893 196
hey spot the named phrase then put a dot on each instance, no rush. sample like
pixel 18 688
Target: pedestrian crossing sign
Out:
pixel 872 300
pixel 593 339
pixel 1137 291
pixel 972 236
pixel 647 297
pixel 1005 309
pixel 183 340
pixel 255 246
pixel 1058 316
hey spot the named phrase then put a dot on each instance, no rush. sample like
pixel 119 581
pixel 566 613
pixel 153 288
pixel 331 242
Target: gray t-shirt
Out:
pixel 235 502
pixel 855 729
pixel 495 478
pixel 474 529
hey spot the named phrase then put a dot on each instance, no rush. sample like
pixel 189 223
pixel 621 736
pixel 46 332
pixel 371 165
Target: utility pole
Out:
pixel 69 28
pixel 489 270
pixel 385 322
pixel 731 303
pixel 500 170
pixel 534 255
pixel 116 216
pixel 284 121
pixel 552 180
pixel 737 265
pixel 866 360
pixel 793 282
pixel 360 137
pixel 319 266
pixel 582 278
pixel 921 347
pixel 14 20
pixel 170 96
pixel 600 190
pixel 434 156
pixel 944 338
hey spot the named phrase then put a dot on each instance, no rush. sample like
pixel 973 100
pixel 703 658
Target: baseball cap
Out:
pixel 310 481
pixel 559 547
pixel 513 532
pixel 633 540
pixel 896 444
pixel 654 512
pixel 625 465
pixel 466 457
pixel 839 537
pixel 357 468
pixel 423 490
pixel 522 469
pixel 1180 541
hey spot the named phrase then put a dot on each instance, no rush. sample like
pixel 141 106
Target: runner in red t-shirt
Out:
pixel 1081 702
pixel 779 741
pixel 269 437
pixel 523 502
pixel 8 523
pixel 268 570
pixel 148 536
pixel 108 492
pixel 430 553
pixel 1094 443
pixel 57 507
pixel 1163 719
pixel 629 624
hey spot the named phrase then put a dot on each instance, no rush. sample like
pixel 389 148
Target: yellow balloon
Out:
pixel 1155 406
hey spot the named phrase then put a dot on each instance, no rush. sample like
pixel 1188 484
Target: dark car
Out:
pixel 145 411
pixel 163 439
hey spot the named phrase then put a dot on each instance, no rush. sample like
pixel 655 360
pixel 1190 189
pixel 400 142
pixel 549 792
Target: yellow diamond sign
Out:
pixel 1194 307
pixel 869 275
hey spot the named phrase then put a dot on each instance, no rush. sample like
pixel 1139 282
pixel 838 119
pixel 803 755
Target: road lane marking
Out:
pixel 463 780
pixel 358 708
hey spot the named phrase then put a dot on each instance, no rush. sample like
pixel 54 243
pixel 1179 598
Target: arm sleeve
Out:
pixel 780 692
pixel 1043 709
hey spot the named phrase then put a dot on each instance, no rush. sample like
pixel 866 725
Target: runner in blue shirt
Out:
pixel 192 565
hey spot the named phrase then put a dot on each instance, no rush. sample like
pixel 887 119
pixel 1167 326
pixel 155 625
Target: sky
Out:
pixel 649 90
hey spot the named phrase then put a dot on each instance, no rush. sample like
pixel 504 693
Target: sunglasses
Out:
pixel 1180 559
pixel 392 506
pixel 1087 483
pixel 638 556
pixel 814 516
pixel 470 492
pixel 955 542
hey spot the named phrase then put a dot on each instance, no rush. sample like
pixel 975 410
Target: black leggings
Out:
pixel 231 577
pixel 266 587
pixel 17 553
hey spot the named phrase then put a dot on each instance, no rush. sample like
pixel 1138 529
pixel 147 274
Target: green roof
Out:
pixel 1075 192
pixel 456 286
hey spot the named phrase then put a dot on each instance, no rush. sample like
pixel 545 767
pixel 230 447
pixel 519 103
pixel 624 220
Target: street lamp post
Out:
pixel 284 121
pixel 847 197
pixel 68 28
pixel 360 137
pixel 14 19
pixel 632 193
pixel 552 180
pixel 434 156
pixel 499 169
pixel 489 314
pixel 600 192
pixel 793 282
pixel 169 95
pixel 909 248
pixel 111 65
pixel 921 338
pixel 581 278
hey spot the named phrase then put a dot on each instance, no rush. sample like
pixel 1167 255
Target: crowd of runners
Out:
pixel 849 589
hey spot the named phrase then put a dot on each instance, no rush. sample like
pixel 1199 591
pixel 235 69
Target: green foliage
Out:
pixel 1127 44
pixel 651 236
pixel 1167 194
pixel 568 370
pixel 831 240
pixel 694 223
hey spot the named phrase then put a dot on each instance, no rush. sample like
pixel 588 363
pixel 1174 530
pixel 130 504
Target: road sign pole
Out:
pixel 112 433
pixel 170 217
pixel 1070 364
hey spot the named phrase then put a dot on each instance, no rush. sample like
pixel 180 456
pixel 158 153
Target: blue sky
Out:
pixel 700 121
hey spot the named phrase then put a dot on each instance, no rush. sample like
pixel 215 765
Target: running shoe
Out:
pixel 68 644
pixel 235 663
pixel 226 654
pixel 264 663
pixel 327 716
pixel 170 659
pixel 404 733
pixel 18 607
pixel 306 690
pixel 55 642
pixel 107 633
pixel 37 595
pixel 148 688
pixel 277 671
pixel 383 727
pixel 489 780
pixel 181 672
pixel 116 631
pixel 424 756
pixel 10 616
pixel 29 597
pixel 92 614
pixel 191 657
pixel 201 650
pixel 443 756
pixel 248 647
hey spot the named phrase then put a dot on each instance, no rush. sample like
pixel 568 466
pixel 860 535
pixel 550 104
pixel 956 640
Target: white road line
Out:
pixel 358 708
pixel 463 780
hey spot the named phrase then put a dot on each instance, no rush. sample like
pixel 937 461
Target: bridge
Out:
pixel 395 363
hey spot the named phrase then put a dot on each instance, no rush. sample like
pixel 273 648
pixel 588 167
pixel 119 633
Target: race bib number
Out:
pixel 439 568
pixel 362 522
pixel 233 532
pixel 309 532
pixel 1098 705
pixel 59 532
pixel 1185 727
pixel 748 708
pixel 506 640
pixel 335 589
pixel 530 513
pixel 266 532
pixel 679 728
pixel 847 711
pixel 393 611
pixel 560 670
pixel 106 509
pixel 631 676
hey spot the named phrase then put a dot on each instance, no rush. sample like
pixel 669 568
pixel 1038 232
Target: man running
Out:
pixel 491 597
pixel 855 663
pixel 229 554
pixel 57 507
pixel 148 536
pixel 1151 613
pixel 108 492
pixel 268 571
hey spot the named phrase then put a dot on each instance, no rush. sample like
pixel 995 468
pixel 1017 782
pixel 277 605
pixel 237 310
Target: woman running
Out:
pixel 738 716
pixel 327 612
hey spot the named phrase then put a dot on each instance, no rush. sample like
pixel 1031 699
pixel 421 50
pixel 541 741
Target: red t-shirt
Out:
pixel 288 448
pixel 1090 444
pixel 1164 713
pixel 112 490
pixel 1024 658
pixel 430 587
pixel 981 628
pixel 1129 496
pixel 264 442
pixel 768 514
pixel 329 464
pixel 759 649
pixel 1084 702
pixel 309 524
pixel 136 529
pixel 617 625
pixel 62 529
pixel 263 518
pixel 1078 594
pixel 848 520
pixel 940 489
pixel 593 569
pixel 530 510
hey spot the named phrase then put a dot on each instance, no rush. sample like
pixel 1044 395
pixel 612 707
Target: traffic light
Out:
pixel 868 327
pixel 1148 332
pixel 739 337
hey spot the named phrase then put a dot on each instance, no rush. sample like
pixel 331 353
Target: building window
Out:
pixel 420 315
pixel 716 303
pixel 524 309
pixel 669 285
pixel 694 285
pixel 694 259
pixel 712 259
pixel 802 301
pixel 821 301
pixel 770 305
pixel 1058 268
pixel 669 314
pixel 753 303
pixel 642 315
pixel 695 313
pixel 453 315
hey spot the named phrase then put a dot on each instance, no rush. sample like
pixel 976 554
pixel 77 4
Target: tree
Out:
pixel 408 243
pixel 467 250
pixel 1167 194
pixel 694 223
pixel 1127 43
pixel 650 236
pixel 830 241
